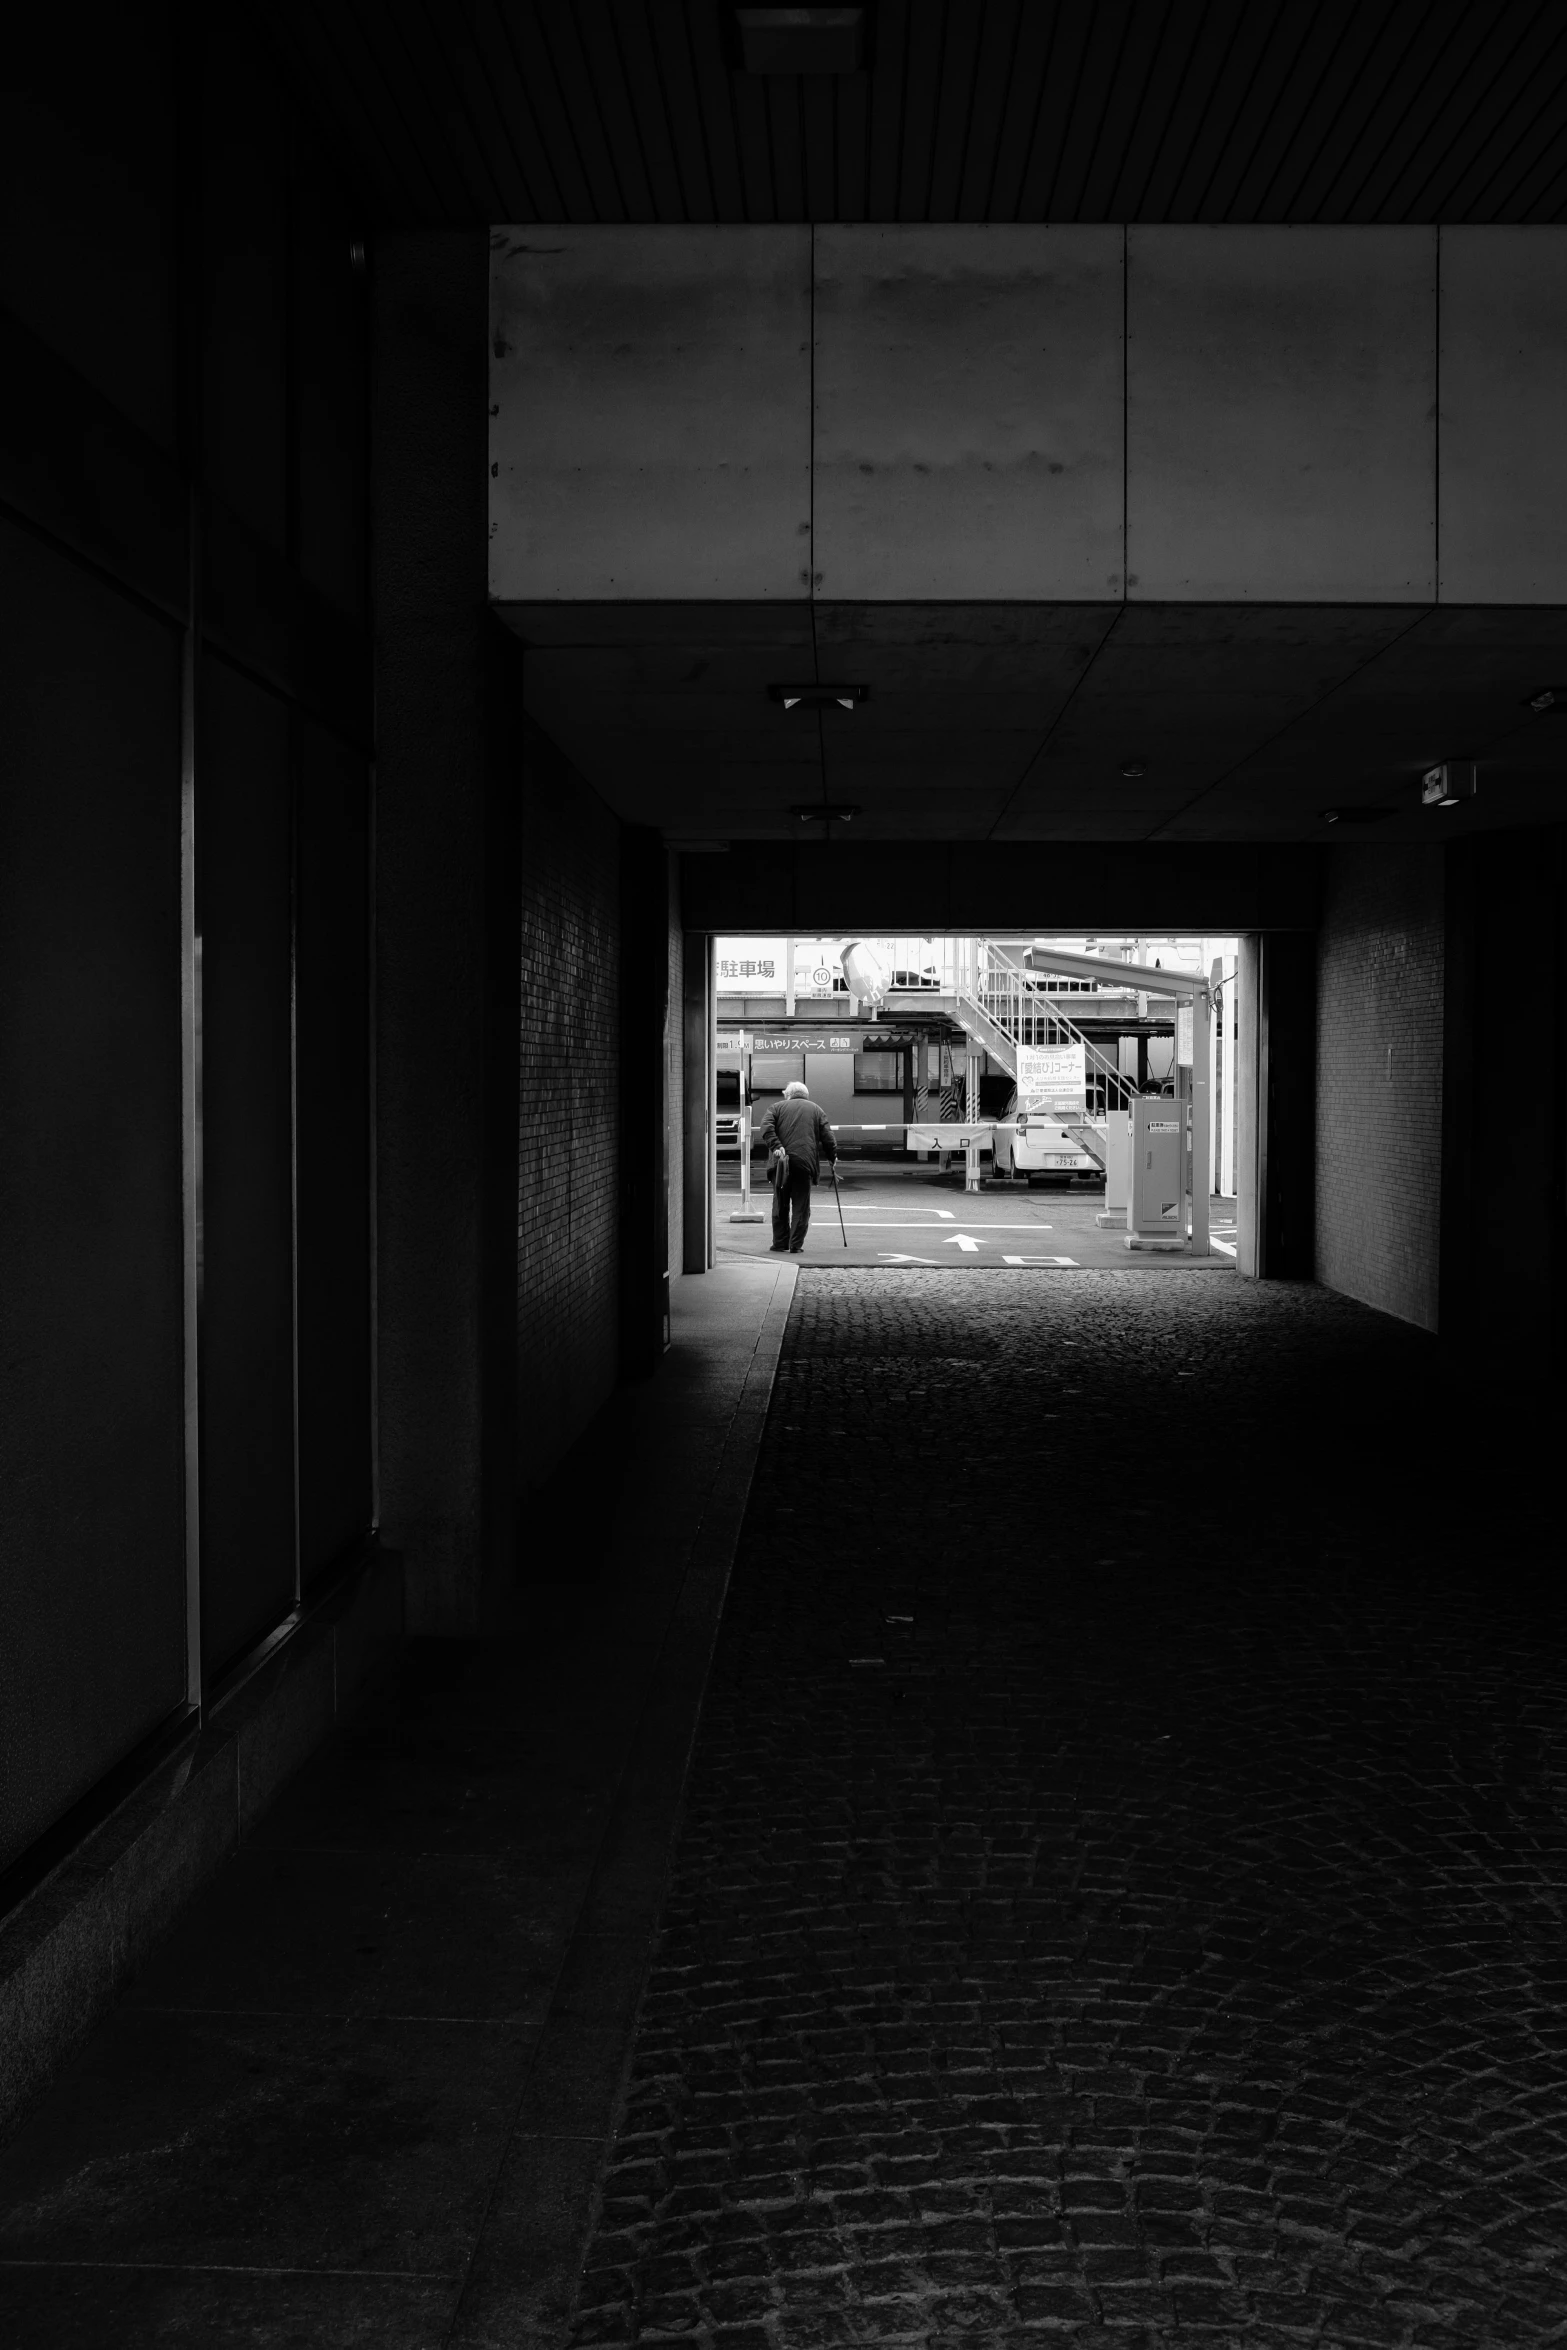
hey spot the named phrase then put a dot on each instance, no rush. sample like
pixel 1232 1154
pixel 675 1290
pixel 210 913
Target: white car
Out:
pixel 1032 1144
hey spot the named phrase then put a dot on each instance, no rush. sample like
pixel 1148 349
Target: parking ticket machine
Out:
pixel 1155 1206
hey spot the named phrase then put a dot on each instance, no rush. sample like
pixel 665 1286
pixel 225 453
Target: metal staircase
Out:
pixel 1000 1005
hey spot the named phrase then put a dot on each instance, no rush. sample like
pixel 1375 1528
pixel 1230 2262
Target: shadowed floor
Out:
pixel 1119 1898
pixel 1122 1888
pixel 362 2095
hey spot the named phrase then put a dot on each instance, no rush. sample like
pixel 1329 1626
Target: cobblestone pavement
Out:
pixel 1121 1893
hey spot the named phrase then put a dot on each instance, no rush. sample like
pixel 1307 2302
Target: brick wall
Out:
pixel 1379 1079
pixel 567 1253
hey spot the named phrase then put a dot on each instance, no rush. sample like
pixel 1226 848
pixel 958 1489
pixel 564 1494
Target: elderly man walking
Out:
pixel 799 1138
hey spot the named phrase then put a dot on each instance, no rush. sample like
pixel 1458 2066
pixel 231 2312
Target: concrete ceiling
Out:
pixel 1012 722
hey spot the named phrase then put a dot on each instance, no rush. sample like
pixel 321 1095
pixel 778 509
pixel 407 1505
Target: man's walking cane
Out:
pixel 838 1196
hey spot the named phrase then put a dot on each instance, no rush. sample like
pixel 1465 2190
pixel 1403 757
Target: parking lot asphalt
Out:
pixel 910 1213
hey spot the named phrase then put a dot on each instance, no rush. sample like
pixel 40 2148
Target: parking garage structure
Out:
pixel 486 525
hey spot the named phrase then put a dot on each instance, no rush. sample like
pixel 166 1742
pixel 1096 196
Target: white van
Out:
pixel 1034 1144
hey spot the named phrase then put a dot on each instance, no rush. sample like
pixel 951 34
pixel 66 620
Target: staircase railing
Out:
pixel 1019 1006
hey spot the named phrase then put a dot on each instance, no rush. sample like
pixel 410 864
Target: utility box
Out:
pixel 1154 1205
pixel 1118 1166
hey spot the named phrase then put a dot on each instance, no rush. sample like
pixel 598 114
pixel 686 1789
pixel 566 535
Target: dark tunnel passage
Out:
pixel 1117 1890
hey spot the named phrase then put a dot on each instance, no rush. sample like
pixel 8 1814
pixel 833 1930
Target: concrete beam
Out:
pixel 1281 415
pixel 968 413
pixel 932 886
pixel 650 412
pixel 982 413
pixel 1504 454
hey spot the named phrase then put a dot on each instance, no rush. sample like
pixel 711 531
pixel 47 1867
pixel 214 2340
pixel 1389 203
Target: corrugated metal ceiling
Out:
pixel 467 111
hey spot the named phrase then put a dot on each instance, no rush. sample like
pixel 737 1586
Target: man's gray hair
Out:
pixel 794 1091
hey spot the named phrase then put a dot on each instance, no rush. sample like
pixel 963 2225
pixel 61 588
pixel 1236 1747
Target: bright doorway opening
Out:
pixel 1019 1099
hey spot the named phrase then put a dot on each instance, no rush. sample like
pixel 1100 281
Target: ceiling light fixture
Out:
pixel 1550 701
pixel 1133 768
pixel 827 812
pixel 801 40
pixel 1362 815
pixel 1445 786
pixel 819 697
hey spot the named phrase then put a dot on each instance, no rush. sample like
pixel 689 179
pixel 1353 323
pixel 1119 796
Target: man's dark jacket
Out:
pixel 805 1134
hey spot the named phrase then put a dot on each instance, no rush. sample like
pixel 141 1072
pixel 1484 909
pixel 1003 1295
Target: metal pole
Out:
pixel 1202 1019
pixel 745 1214
pixel 1215 1082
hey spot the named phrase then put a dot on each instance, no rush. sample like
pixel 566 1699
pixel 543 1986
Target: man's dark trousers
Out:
pixel 791 1205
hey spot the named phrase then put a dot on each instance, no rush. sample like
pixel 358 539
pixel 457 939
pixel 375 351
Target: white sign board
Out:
pixel 750 966
pixel 817 969
pixel 1183 1034
pixel 950 1135
pixel 1052 1077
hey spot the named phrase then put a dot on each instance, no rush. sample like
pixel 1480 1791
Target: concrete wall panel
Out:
pixel 243 822
pixel 650 412
pixel 1281 428
pixel 1504 452
pixel 1379 1079
pixel 91 1469
pixel 968 394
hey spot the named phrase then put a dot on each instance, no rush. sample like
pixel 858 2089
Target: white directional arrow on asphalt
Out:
pixel 962 1240
pixel 897 1257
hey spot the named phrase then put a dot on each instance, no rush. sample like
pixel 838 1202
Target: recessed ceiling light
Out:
pixel 819 697
pixel 1550 701
pixel 801 40
pixel 1445 786
pixel 1132 768
pixel 827 812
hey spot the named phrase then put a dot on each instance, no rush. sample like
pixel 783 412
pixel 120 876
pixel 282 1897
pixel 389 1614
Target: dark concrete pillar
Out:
pixel 1286 1105
pixel 644 1172
pixel 1457 1300
pixel 443 1001
pixel 1504 1104
pixel 697 1025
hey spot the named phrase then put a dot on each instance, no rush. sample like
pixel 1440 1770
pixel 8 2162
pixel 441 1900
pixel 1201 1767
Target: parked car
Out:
pixel 1041 1148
